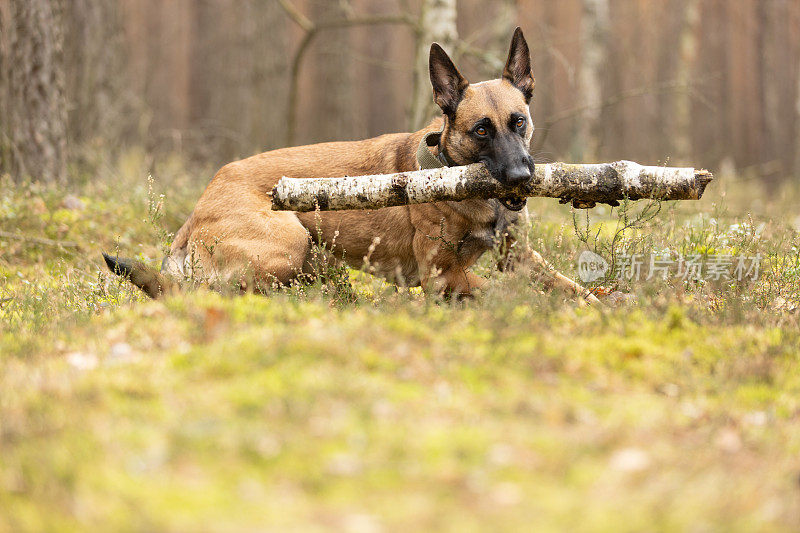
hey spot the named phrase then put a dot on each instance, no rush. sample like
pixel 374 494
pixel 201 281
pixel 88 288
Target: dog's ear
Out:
pixel 448 83
pixel 518 65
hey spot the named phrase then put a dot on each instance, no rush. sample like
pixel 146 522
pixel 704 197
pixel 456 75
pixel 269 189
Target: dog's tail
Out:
pixel 154 283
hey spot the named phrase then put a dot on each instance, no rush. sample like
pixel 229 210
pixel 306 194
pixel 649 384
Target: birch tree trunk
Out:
pixel 595 25
pixel 688 54
pixel 583 185
pixel 437 24
pixel 764 146
pixel 35 125
pixel 503 24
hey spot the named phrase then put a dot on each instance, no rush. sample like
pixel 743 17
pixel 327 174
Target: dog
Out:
pixel 233 236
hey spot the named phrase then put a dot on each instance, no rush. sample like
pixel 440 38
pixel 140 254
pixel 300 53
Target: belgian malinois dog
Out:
pixel 233 236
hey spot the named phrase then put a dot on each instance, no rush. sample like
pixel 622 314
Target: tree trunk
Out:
pixel 332 81
pixel 777 63
pixel 583 185
pixel 764 146
pixel 238 76
pixel 797 125
pixel 502 28
pixel 594 36
pixel 35 126
pixel 268 77
pixel 95 77
pixel 5 46
pixel 688 56
pixel 437 24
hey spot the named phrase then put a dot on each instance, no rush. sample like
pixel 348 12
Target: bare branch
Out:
pixel 37 240
pixel 311 30
pixel 294 14
pixel 573 112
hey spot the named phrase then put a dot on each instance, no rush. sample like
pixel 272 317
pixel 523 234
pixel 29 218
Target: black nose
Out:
pixel 518 174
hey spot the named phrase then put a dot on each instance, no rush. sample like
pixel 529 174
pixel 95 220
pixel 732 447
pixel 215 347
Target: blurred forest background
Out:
pixel 714 83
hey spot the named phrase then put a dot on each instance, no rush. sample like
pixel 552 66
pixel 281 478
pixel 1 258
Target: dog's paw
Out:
pixel 619 298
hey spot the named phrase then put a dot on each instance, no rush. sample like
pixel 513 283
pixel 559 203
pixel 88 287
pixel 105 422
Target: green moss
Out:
pixel 303 410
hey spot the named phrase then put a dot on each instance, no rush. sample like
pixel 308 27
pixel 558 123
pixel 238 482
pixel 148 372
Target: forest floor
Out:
pixel 351 406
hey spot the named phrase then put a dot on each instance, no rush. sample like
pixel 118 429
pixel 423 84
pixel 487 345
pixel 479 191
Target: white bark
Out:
pixel 584 185
pixel 688 54
pixel 503 24
pixel 595 25
pixel 437 24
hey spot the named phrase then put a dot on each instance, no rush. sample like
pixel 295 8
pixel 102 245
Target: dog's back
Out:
pixel 242 187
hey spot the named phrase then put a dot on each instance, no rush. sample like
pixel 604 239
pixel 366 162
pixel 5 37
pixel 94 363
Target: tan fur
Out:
pixel 232 229
pixel 495 99
pixel 233 235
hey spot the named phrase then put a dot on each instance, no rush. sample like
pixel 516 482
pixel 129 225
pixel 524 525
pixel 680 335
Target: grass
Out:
pixel 376 410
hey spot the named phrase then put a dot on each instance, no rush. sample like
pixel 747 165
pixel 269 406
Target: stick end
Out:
pixel 275 200
pixel 702 177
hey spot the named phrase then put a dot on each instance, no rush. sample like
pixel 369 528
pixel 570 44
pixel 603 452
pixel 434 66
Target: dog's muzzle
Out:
pixel 514 177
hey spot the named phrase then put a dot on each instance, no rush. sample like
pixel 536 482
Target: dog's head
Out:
pixel 487 122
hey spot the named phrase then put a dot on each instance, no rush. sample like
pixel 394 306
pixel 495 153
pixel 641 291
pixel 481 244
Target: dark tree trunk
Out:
pixel 35 115
pixel 95 77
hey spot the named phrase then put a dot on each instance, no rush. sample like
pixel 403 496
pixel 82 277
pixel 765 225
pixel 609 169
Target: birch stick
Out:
pixel 583 185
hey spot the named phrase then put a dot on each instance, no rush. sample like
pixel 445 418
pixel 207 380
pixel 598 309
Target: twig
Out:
pixel 300 19
pixel 572 112
pixel 489 58
pixel 37 240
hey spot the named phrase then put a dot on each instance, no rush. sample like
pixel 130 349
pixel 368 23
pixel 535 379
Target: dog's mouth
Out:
pixel 514 203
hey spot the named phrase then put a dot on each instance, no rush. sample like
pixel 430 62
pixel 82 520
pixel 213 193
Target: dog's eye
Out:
pixel 481 131
pixel 521 122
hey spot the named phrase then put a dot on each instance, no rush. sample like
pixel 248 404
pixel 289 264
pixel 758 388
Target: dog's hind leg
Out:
pixel 250 251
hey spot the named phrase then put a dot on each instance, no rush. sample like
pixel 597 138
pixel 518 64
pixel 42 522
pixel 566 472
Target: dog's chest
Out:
pixel 486 233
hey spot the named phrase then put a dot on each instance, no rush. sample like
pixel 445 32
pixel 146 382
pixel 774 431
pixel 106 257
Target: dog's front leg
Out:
pixel 514 254
pixel 453 282
pixel 552 278
pixel 441 271
pixel 462 283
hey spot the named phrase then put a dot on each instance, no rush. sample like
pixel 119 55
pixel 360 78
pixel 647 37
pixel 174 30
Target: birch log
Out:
pixel 583 185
